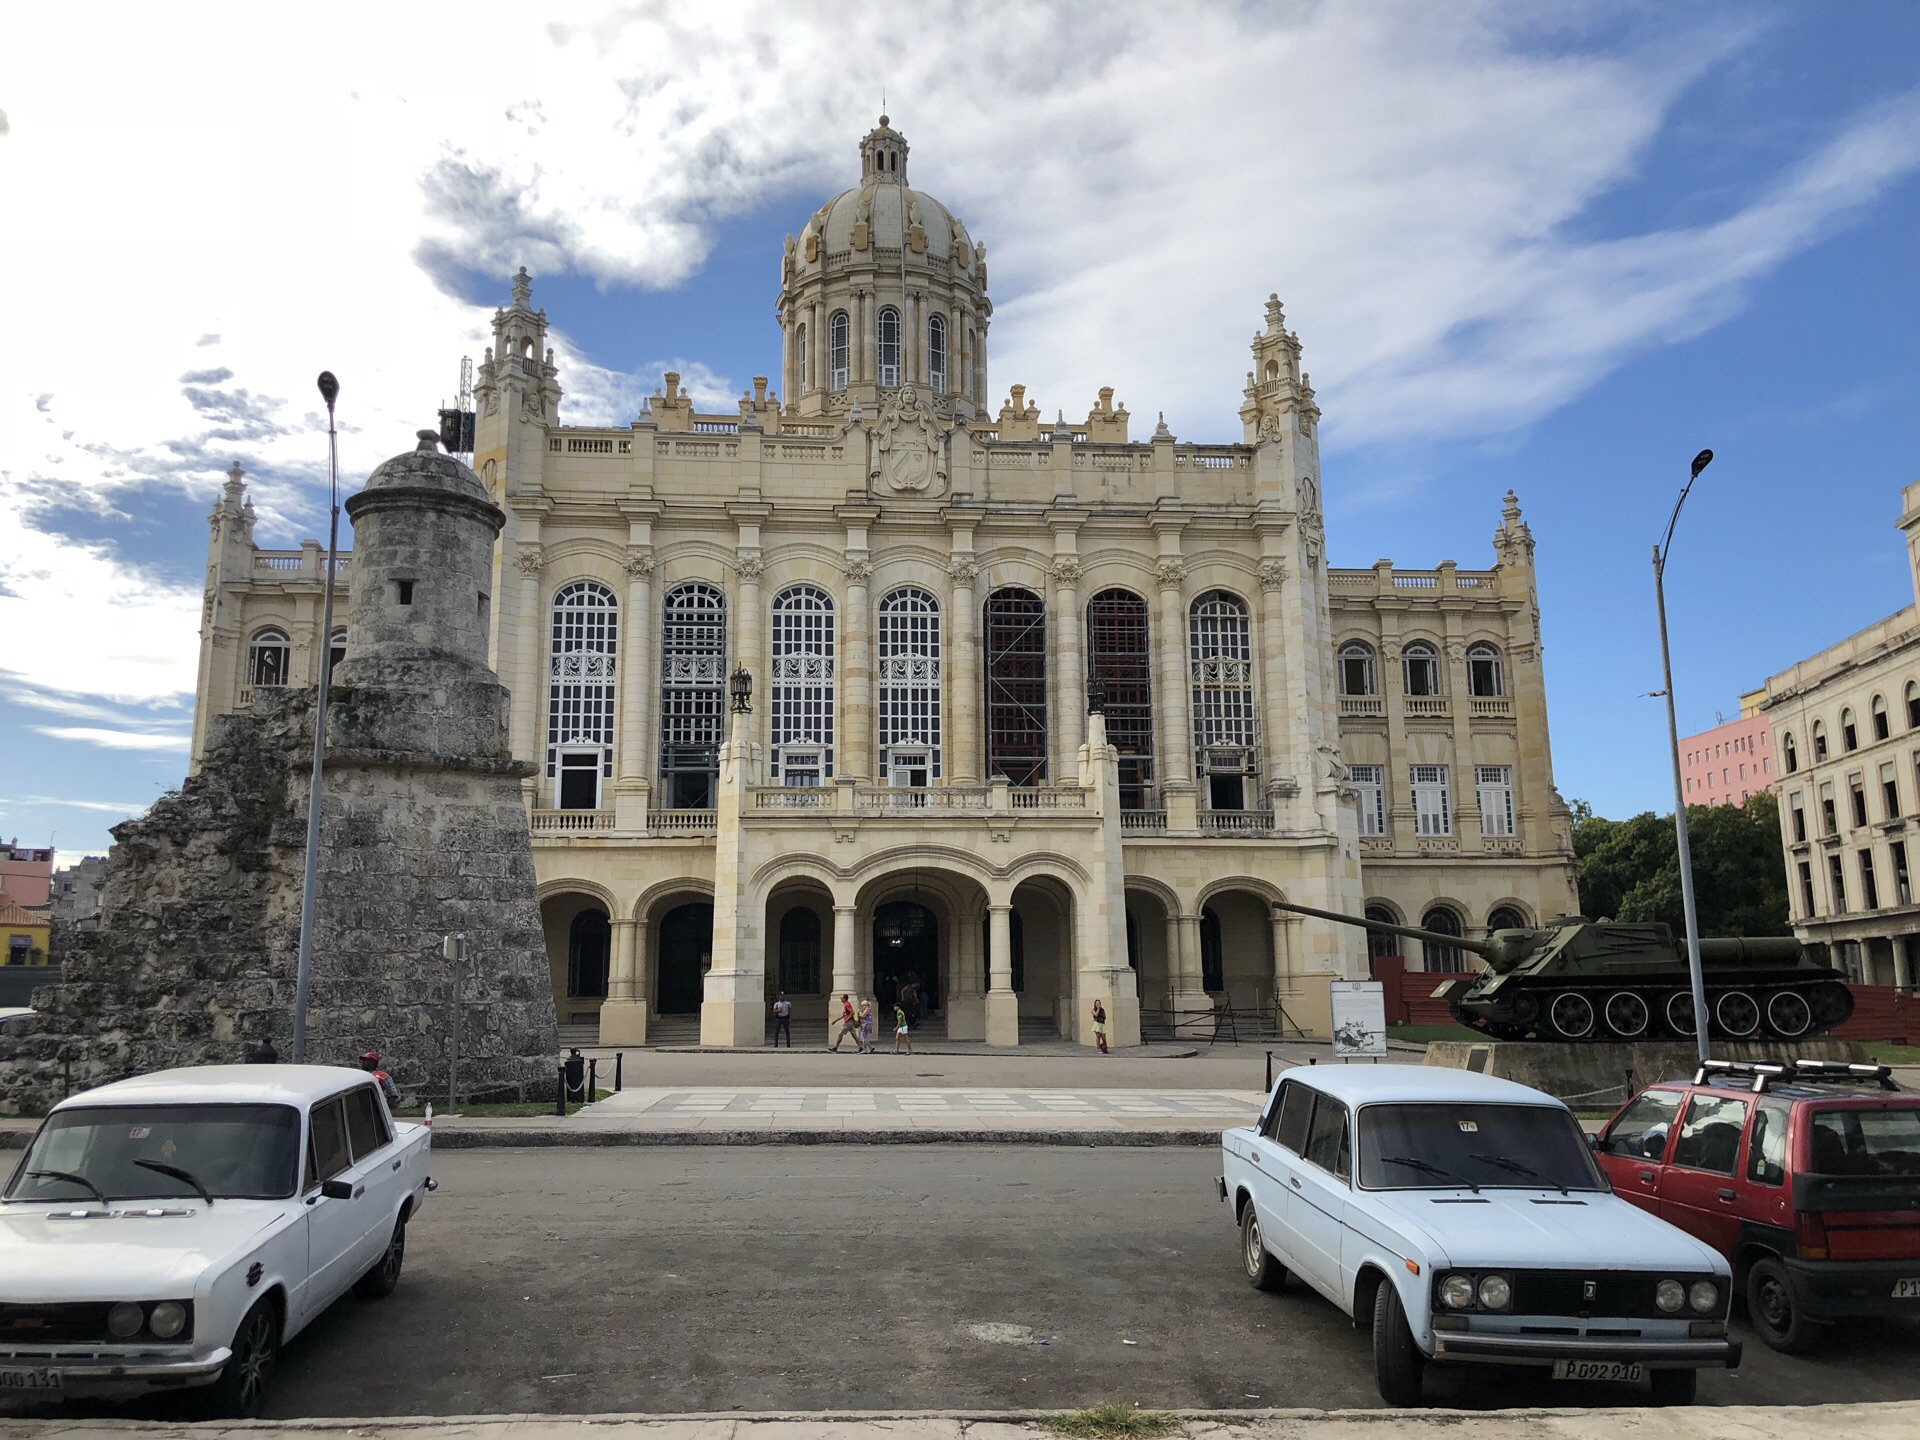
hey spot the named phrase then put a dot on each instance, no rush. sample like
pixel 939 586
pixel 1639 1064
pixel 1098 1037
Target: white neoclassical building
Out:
pixel 1035 714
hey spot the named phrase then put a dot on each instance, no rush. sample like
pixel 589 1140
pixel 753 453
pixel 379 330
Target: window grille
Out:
pixel 800 359
pixel 1370 782
pixel 1017 686
pixel 801 679
pixel 888 349
pixel 837 345
pixel 1420 663
pixel 909 676
pixel 1495 784
pixel 1485 674
pixel 937 354
pixel 1220 647
pixel 1118 662
pixel 1381 946
pixel 1356 669
pixel 1432 812
pixel 693 682
pixel 800 952
pixel 269 658
pixel 580 677
pixel 1434 955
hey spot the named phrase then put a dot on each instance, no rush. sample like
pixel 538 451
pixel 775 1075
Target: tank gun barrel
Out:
pixel 1459 942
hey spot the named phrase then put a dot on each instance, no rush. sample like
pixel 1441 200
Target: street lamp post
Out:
pixel 1694 972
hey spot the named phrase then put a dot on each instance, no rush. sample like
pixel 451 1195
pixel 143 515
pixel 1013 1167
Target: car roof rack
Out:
pixel 1765 1074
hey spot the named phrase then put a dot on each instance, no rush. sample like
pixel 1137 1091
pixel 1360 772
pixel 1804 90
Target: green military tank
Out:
pixel 1579 979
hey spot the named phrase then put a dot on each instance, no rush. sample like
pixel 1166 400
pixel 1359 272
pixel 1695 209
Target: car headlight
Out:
pixel 167 1319
pixel 1456 1292
pixel 1670 1295
pixel 125 1319
pixel 1495 1292
pixel 1704 1296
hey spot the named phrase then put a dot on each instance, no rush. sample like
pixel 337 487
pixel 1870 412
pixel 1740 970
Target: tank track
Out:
pixel 1583 1009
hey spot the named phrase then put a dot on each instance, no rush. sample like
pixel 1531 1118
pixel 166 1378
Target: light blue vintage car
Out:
pixel 1466 1218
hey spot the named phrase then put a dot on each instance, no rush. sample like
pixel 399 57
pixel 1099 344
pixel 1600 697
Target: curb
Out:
pixel 502 1139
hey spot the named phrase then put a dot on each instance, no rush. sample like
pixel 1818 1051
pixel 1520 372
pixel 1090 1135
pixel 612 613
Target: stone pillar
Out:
pixel 844 975
pixel 1067 671
pixel 962 749
pixel 623 1016
pixel 528 704
pixel 856 680
pixel 1003 1006
pixel 1280 768
pixel 1192 1005
pixel 633 790
pixel 860 320
pixel 1175 703
pixel 751 648
pixel 820 344
pixel 1902 965
pixel 1283 968
pixel 733 1010
pixel 966 998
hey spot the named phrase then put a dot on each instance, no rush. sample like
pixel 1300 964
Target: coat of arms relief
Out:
pixel 909 450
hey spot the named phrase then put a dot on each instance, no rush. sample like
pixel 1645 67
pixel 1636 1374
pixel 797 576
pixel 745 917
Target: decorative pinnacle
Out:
pixel 522 288
pixel 429 441
pixel 234 476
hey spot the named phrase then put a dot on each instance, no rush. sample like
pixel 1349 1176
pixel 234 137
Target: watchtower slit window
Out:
pixel 693 677
pixel 802 378
pixel 909 682
pixel 1016 677
pixel 580 676
pixel 1119 664
pixel 802 685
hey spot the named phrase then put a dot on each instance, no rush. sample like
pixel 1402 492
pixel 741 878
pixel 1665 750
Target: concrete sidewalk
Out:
pixel 1702 1422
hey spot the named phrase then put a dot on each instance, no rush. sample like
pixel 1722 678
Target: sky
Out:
pixel 1549 247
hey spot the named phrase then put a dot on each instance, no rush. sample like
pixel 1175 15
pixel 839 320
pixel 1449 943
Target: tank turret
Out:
pixel 1581 979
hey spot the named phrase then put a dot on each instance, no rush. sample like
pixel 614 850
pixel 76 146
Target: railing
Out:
pixel 801 427
pixel 1049 797
pixel 793 797
pixel 1428 705
pixel 1143 822
pixel 285 562
pixel 681 821
pixel 1350 580
pixel 266 560
pixel 1376 845
pixel 244 700
pixel 1416 581
pixel 1439 845
pixel 1223 458
pixel 1494 707
pixel 896 798
pixel 716 427
pixel 590 445
pixel 1499 844
pixel 571 822
pixel 1236 822
pixel 1362 705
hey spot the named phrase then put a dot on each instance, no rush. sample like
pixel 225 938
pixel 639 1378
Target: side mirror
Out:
pixel 336 1189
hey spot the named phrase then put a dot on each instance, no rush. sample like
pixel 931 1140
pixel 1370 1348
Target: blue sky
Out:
pixel 1542 247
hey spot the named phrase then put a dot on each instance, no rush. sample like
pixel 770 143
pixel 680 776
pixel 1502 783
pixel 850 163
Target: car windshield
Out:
pixel 241 1152
pixel 1439 1146
pixel 1866 1142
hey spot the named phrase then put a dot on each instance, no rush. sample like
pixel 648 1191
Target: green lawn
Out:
pixel 1887 1052
pixel 1424 1034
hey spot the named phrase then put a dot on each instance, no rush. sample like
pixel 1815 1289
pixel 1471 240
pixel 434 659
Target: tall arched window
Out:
pixel 1506 918
pixel 887 332
pixel 1913 704
pixel 1420 666
pixel 693 680
pixel 269 658
pixel 801 680
pixel 1017 686
pixel 1788 749
pixel 1819 741
pixel 1434 955
pixel 580 683
pixel 937 353
pixel 838 350
pixel 1356 669
pixel 1849 735
pixel 802 379
pixel 1119 664
pixel 589 943
pixel 909 678
pixel 1485 674
pixel 800 952
pixel 1220 647
pixel 337 647
pixel 1881 729
pixel 1380 945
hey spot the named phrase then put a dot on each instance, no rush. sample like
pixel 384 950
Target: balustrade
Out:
pixel 1362 705
pixel 794 797
pixel 1496 707
pixel 1143 822
pixel 1427 706
pixel 1048 797
pixel 571 822
pixel 1236 822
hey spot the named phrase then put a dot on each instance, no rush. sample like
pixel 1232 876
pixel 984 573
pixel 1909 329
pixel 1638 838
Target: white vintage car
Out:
pixel 174 1230
pixel 1465 1218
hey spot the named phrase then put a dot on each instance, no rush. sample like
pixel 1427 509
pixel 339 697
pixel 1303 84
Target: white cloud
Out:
pixel 105 807
pixel 115 739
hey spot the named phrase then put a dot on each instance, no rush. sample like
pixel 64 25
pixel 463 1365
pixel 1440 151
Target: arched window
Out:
pixel 1485 675
pixel 1819 741
pixel 887 330
pixel 1356 669
pixel 589 943
pixel 1849 736
pixel 1434 955
pixel 1881 729
pixel 1507 918
pixel 801 681
pixel 1213 958
pixel 968 364
pixel 1381 946
pixel 1420 665
pixel 802 379
pixel 580 684
pixel 693 682
pixel 1118 663
pixel 909 679
pixel 937 353
pixel 1787 749
pixel 1913 704
pixel 800 952
pixel 838 350
pixel 1220 649
pixel 337 648
pixel 268 658
pixel 1017 686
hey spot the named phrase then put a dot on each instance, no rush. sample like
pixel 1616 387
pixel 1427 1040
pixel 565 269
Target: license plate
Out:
pixel 1627 1370
pixel 1907 1289
pixel 23 1381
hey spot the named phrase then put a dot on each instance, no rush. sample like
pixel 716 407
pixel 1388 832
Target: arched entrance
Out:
pixel 686 948
pixel 579 942
pixel 906 959
pixel 589 949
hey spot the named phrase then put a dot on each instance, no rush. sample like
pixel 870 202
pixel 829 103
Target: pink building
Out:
pixel 26 873
pixel 1726 764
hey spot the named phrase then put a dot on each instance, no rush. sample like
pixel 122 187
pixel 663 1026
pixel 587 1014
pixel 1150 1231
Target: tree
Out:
pixel 1630 869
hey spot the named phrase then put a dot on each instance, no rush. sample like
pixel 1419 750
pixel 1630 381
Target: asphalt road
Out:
pixel 875 1277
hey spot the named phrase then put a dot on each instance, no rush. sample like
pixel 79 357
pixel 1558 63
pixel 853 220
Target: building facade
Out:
pixel 76 893
pixel 1846 734
pixel 876 690
pixel 1726 764
pixel 26 873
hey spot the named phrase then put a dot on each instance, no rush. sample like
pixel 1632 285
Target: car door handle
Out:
pixel 1647 1175
pixel 394 1166
pixel 1724 1194
pixel 358 1191
pixel 1296 1181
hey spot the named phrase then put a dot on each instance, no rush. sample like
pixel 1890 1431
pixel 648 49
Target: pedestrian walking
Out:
pixel 866 1026
pixel 900 1036
pixel 782 1020
pixel 1100 1026
pixel 849 1026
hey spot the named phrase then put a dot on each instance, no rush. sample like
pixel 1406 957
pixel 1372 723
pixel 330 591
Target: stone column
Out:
pixel 1902 967
pixel 1191 1003
pixel 962 690
pixel 1280 768
pixel 1003 1006
pixel 1175 703
pixel 633 789
pixel 529 737
pixel 1067 670
pixel 856 680
pixel 820 344
pixel 862 359
pixel 1398 772
pixel 966 998
pixel 623 1016
pixel 751 650
pixel 844 975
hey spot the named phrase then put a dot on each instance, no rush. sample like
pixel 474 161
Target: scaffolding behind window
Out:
pixel 1118 661
pixel 1220 647
pixel 693 680
pixel 1420 667
pixel 580 673
pixel 1485 674
pixel 801 677
pixel 909 677
pixel 1017 686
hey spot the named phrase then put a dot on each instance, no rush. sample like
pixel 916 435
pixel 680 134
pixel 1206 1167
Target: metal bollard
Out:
pixel 593 1081
pixel 560 1091
pixel 619 1063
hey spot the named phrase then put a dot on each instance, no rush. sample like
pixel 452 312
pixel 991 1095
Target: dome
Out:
pixel 425 468
pixel 894 215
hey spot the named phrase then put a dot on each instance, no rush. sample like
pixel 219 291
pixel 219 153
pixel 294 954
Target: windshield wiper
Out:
pixel 177 1173
pixel 1430 1168
pixel 1516 1168
pixel 71 1179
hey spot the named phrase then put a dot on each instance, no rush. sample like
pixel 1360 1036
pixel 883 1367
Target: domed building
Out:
pixel 871 686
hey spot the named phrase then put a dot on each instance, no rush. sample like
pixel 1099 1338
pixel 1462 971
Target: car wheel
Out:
pixel 1263 1271
pixel 382 1278
pixel 1782 1324
pixel 1397 1361
pixel 242 1385
pixel 1675 1387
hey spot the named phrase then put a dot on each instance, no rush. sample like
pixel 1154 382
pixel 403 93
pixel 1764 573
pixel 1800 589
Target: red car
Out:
pixel 1805 1175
